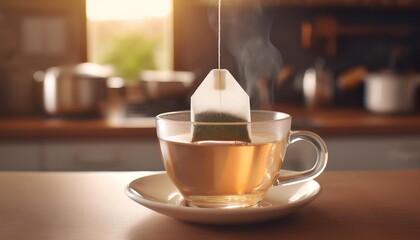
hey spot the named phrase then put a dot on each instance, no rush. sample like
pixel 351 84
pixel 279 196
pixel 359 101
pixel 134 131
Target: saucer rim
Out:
pixel 230 216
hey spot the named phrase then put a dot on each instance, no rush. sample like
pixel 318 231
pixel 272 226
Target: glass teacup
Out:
pixel 232 173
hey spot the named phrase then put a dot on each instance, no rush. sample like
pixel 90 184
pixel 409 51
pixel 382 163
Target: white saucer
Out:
pixel 158 193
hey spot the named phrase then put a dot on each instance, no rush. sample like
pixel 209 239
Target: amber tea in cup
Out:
pixel 230 174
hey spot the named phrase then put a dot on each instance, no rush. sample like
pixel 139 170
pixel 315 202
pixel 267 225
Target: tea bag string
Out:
pixel 219 51
pixel 219 34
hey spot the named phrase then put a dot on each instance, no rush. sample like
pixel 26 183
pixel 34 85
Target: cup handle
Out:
pixel 321 162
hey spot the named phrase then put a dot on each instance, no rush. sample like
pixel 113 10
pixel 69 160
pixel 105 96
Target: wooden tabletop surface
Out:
pixel 92 205
pixel 325 122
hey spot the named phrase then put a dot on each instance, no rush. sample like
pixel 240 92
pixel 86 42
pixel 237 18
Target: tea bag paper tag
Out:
pixel 220 98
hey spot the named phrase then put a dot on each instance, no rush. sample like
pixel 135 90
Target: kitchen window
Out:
pixel 132 35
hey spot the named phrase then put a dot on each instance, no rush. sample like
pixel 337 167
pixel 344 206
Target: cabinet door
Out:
pixel 374 153
pixel 125 155
pixel 19 156
pixel 359 153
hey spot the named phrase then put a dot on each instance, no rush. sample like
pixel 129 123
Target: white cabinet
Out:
pixel 360 153
pixel 371 153
pixel 81 155
pixel 106 155
pixel 142 154
pixel 23 156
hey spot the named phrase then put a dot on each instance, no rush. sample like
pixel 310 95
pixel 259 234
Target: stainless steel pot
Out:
pixel 75 90
pixel 318 86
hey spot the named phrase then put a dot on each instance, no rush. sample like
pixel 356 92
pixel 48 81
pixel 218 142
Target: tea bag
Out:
pixel 220 98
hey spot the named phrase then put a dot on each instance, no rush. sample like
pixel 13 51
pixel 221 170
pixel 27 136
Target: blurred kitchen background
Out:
pixel 81 80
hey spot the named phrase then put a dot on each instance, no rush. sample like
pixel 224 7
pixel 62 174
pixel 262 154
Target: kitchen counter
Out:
pixel 328 122
pixel 92 205
pixel 50 128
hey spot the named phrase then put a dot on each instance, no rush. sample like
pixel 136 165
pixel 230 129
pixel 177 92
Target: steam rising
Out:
pixel 245 31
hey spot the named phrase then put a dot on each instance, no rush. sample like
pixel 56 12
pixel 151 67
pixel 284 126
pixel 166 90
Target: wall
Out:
pixel 35 35
pixel 376 37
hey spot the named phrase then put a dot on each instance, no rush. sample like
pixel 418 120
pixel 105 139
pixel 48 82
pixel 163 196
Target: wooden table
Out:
pixel 92 205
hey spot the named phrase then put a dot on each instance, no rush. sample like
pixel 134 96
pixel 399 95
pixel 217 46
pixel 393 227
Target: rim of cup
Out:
pixel 278 116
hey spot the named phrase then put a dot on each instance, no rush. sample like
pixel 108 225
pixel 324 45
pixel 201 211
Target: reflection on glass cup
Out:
pixel 231 174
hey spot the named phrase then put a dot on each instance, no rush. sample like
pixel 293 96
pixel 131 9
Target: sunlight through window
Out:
pixel 132 35
pixel 127 9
